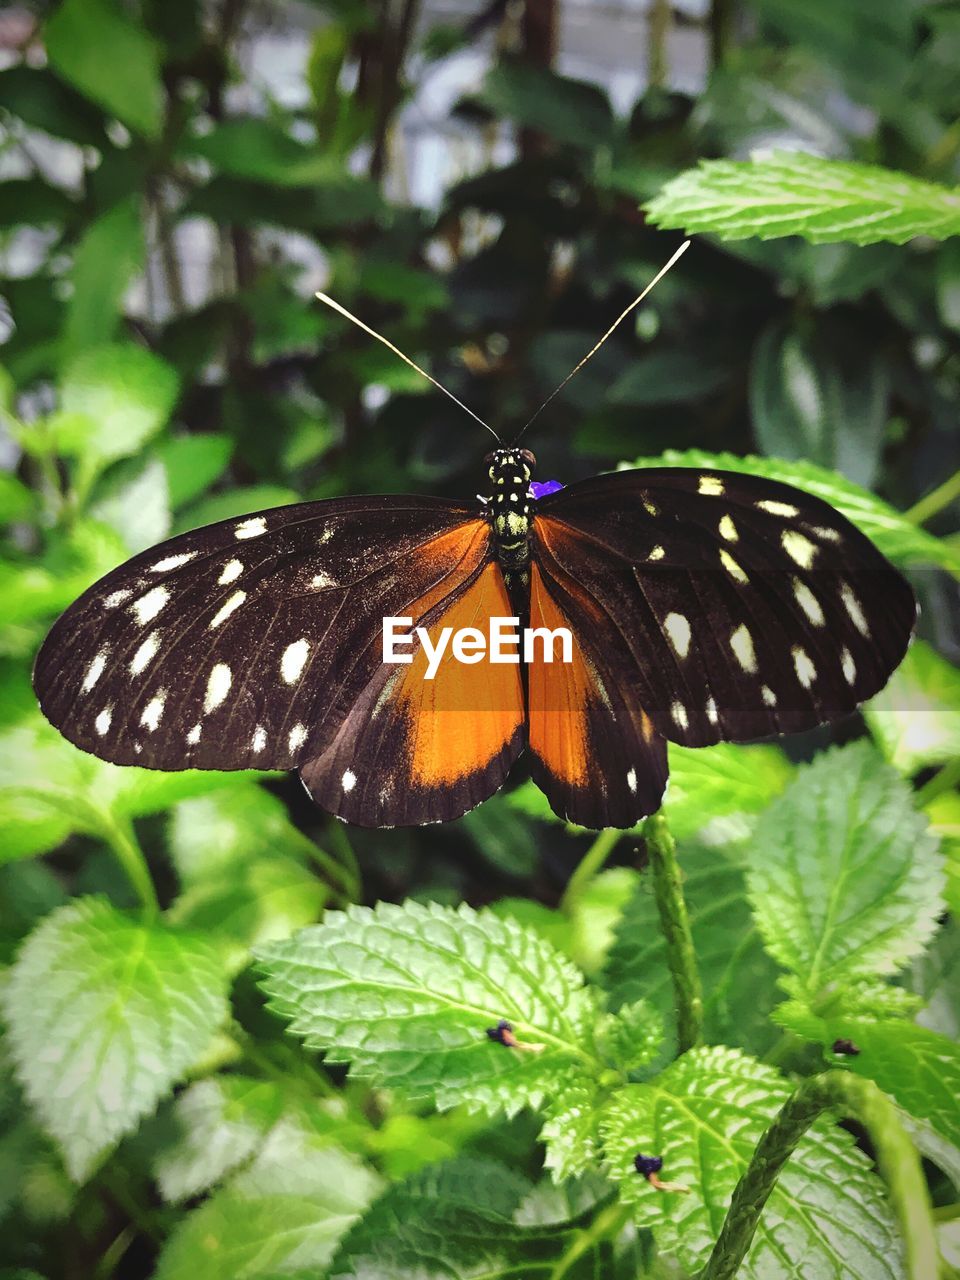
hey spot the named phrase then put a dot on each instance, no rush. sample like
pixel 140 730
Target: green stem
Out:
pixel 590 864
pixel 608 1224
pixel 934 502
pixel 675 923
pixel 119 835
pixel 661 20
pixel 945 780
pixel 897 1161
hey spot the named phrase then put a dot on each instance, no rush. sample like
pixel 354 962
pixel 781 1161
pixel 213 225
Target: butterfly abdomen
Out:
pixel 510 472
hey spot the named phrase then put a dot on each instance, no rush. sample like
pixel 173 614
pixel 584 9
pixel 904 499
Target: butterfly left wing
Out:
pixel 749 608
pixel 414 750
pixel 594 751
pixel 246 643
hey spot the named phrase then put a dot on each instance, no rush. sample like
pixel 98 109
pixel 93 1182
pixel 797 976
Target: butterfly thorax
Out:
pixel 510 472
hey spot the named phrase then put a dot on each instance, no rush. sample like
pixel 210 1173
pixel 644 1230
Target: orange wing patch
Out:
pixel 466 714
pixel 414 750
pixel 594 751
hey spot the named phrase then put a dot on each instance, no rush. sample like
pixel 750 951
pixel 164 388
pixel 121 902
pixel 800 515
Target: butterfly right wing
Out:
pixel 594 751
pixel 245 644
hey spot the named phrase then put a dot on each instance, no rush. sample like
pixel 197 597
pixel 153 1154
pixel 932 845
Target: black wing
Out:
pixel 246 643
pixel 750 608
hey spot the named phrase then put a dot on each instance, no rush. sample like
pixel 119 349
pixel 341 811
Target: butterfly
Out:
pixel 701 606
pixel 704 606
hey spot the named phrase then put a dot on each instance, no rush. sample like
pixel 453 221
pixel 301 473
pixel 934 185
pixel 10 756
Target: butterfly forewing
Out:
pixel 749 607
pixel 246 643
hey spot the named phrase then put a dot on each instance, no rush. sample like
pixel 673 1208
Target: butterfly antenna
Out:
pixel 406 359
pixel 619 320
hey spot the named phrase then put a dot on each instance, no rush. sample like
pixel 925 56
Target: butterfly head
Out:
pixel 507 467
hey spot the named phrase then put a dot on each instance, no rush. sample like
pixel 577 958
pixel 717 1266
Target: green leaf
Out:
pixel 821 397
pixel 739 979
pixel 461 1221
pixel 632 1037
pixel 571 111
pixel 193 464
pixel 94 46
pixel 716 782
pixel 134 501
pixel 502 837
pixel 827 1215
pixel 127 1007
pixel 916 1066
pixel 17 501
pixel 944 814
pixel 897 537
pixel 789 193
pixel 49 788
pixel 110 253
pixel 916 718
pixel 126 394
pixel 260 149
pixel 407 995
pixel 844 878
pixel 38 98
pixel 218 1124
pixel 281 1216
pixel 570 1132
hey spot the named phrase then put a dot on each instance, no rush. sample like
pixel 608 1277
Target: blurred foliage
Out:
pixel 165 217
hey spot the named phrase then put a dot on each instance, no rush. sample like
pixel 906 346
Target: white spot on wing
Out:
pixel 102 722
pixel 321 580
pixel 632 780
pixel 349 780
pixel 94 671
pixel 678 629
pixel 712 715
pixel 145 654
pixel 231 572
pixel 828 535
pixel 656 554
pixel 849 666
pixel 148 606
pixel 732 566
pixel 778 508
pixel 298 736
pixel 798 548
pixel 728 529
pixel 712 485
pixel 117 597
pixel 193 737
pixel 741 642
pixel 806 671
pixel 679 713
pixel 218 686
pixel 808 602
pixel 173 562
pixel 855 610
pixel 252 528
pixel 228 606
pixel 259 740
pixel 769 697
pixel 153 711
pixel 294 660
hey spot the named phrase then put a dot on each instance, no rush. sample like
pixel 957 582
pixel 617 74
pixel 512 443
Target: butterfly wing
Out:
pixel 594 752
pixel 247 643
pixel 415 750
pixel 749 608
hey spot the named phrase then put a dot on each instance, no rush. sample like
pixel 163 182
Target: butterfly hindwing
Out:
pixel 594 752
pixel 246 643
pixel 416 750
pixel 750 608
